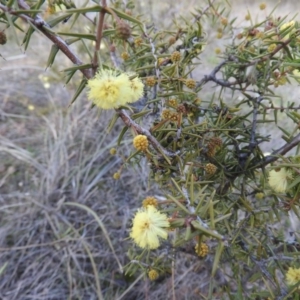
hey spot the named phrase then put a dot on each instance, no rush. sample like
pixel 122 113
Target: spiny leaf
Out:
pixel 59 19
pixel 54 50
pixel 217 258
pixel 79 90
pixel 11 23
pixel 122 133
pixel 91 37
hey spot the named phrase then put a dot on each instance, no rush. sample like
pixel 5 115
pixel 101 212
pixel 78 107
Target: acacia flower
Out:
pixel 153 275
pixel 278 180
pixel 137 89
pixel 150 201
pixel 288 25
pixel 293 276
pixel 109 90
pixel 140 142
pixel 148 225
pixel 202 249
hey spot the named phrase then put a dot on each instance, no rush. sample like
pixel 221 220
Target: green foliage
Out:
pixel 205 150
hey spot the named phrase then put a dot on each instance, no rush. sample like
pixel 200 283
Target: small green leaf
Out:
pixel 79 90
pixel 27 37
pixel 2 268
pixel 54 50
pixel 95 8
pixel 112 122
pixel 59 19
pixel 140 114
pixel 126 17
pixel 122 133
pixel 71 71
pixel 91 37
pixel 11 24
pixel 294 183
pixel 217 258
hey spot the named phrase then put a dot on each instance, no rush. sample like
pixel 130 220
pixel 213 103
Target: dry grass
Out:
pixel 63 219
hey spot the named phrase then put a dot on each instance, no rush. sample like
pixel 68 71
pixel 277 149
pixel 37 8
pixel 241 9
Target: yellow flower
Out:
pixel 137 88
pixel 140 142
pixel 278 180
pixel 148 225
pixel 153 275
pixel 113 151
pixel 150 201
pixel 202 249
pixel 262 6
pixel 116 176
pixel 296 73
pixel 293 276
pixel 190 83
pixel 150 81
pixel 217 50
pixel 175 56
pixel 109 90
pixel 288 25
pixel 259 196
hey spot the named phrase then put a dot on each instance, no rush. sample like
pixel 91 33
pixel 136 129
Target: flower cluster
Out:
pixel 278 180
pixel 153 275
pixel 140 142
pixel 202 249
pixel 150 201
pixel 293 276
pixel 148 225
pixel 210 169
pixel 109 90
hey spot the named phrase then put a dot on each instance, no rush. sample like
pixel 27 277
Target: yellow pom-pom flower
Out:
pixel 137 88
pixel 217 51
pixel 140 142
pixel 262 6
pixel 293 276
pixel 287 25
pixel 113 151
pixel 202 249
pixel 148 226
pixel 259 196
pixel 149 201
pixel 175 56
pixel 278 180
pixel 150 81
pixel 138 42
pixel 224 21
pixel 153 275
pixel 109 90
pixel 125 55
pixel 190 83
pixel 116 176
pixel 210 169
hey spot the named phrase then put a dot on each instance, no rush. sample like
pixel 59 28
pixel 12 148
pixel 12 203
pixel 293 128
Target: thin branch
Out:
pixel 279 152
pixel 99 35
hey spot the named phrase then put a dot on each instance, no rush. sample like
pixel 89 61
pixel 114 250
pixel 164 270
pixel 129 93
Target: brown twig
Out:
pixel 99 35
pixel 281 151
